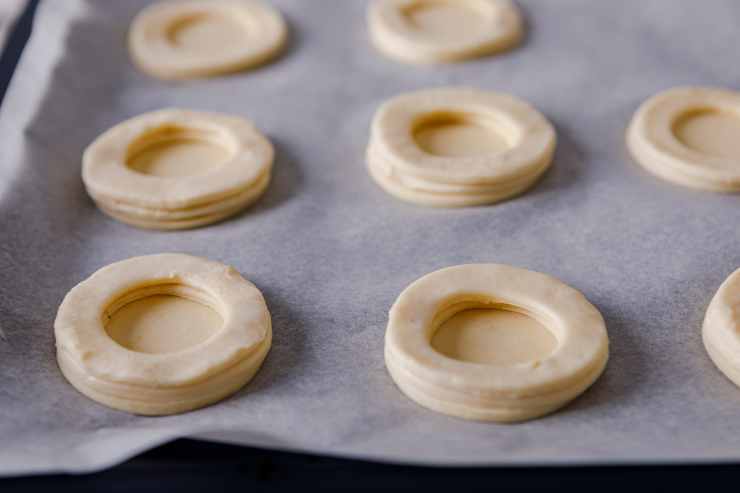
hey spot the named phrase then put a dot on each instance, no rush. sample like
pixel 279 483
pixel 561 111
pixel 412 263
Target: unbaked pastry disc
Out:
pixel 162 381
pixel 431 31
pixel 200 38
pixel 173 168
pixel 690 136
pixel 453 147
pixel 494 391
pixel 721 330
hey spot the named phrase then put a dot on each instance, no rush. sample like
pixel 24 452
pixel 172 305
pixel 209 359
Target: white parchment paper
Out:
pixel 331 251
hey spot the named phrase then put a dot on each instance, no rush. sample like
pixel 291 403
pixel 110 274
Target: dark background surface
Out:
pixel 190 465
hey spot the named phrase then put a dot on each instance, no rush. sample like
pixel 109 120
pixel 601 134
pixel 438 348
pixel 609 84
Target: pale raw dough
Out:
pixel 436 323
pixel 433 31
pixel 200 38
pixel 177 158
pixel 162 334
pixel 711 132
pixel 176 169
pixel 690 136
pixel 454 147
pixel 455 139
pixel 492 336
pixel 721 329
pixel 162 324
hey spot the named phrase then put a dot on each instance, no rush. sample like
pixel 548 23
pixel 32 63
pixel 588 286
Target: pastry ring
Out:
pixel 175 202
pixel 459 30
pixel 486 391
pixel 401 165
pixel 654 138
pixel 162 383
pixel 721 329
pixel 247 33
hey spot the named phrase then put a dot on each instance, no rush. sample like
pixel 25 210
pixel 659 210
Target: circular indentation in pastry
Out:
pixel 175 152
pixel 454 147
pixel 451 19
pixel 165 374
pixel 721 329
pixel 523 387
pixel 429 31
pixel 710 131
pixel 492 336
pixel 459 134
pixel 199 38
pixel 207 32
pixel 690 136
pixel 175 169
pixel 164 322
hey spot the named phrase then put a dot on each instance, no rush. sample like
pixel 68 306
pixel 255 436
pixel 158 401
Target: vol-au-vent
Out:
pixel 436 31
pixel 454 147
pixel 492 342
pixel 721 329
pixel 177 169
pixel 690 136
pixel 200 38
pixel 162 334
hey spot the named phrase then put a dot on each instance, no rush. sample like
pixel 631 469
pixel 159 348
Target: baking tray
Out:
pixel 331 251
